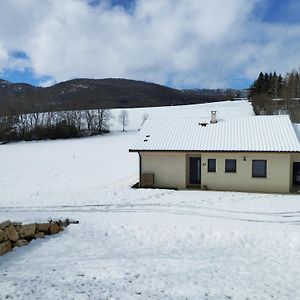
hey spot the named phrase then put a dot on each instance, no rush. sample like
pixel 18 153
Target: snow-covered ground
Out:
pixel 141 244
pixel 224 109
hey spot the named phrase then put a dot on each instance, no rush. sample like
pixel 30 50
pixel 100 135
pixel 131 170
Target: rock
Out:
pixel 39 235
pixel 17 223
pixel 54 228
pixel 2 235
pixel 18 228
pixel 12 234
pixel 28 231
pixel 4 224
pixel 73 221
pixel 65 223
pixel 5 247
pixel 20 243
pixel 5 236
pixel 43 227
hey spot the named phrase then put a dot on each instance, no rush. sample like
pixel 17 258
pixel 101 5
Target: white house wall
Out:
pixel 170 171
pixel 168 168
pixel 277 180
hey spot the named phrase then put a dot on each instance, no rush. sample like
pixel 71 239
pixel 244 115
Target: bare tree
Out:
pixel 50 119
pixel 23 124
pixel 90 118
pixel 144 118
pixel 77 117
pixel 103 119
pixel 123 119
pixel 275 86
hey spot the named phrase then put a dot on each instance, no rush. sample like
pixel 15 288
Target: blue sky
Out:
pixel 183 44
pixel 282 11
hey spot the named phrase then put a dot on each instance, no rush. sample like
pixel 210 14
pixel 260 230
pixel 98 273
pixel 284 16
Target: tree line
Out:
pixel 54 125
pixel 272 92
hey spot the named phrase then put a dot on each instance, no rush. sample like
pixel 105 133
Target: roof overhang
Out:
pixel 228 151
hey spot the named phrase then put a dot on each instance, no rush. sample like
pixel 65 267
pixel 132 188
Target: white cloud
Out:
pixel 3 56
pixel 7 62
pixel 192 42
pixel 47 82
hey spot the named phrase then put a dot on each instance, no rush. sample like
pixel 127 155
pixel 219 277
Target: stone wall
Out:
pixel 15 234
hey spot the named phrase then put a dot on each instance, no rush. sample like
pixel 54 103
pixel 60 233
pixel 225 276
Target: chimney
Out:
pixel 213 117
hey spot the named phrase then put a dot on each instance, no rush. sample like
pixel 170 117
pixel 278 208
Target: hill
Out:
pixel 78 94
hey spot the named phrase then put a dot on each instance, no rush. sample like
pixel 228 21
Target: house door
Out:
pixel 296 173
pixel 195 170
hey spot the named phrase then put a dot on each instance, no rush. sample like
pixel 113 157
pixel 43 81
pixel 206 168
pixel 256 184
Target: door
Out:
pixel 195 170
pixel 296 173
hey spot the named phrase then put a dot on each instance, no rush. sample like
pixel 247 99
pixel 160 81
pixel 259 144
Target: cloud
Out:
pixel 3 56
pixel 47 82
pixel 191 43
pixel 12 61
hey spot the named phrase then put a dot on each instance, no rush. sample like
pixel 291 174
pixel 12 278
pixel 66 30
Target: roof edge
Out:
pixel 228 151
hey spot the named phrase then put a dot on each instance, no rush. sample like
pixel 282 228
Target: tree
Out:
pixel 269 86
pixel 144 118
pixel 90 117
pixel 103 120
pixel 123 119
pixel 275 85
pixel 8 128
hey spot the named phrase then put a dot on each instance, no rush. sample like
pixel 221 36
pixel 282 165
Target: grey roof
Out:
pixel 297 129
pixel 253 133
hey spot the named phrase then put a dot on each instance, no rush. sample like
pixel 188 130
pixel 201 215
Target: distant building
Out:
pixel 239 99
pixel 251 154
pixel 282 106
pixel 296 102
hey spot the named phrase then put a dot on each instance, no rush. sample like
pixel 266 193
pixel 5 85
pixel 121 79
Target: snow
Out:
pixel 297 130
pixel 250 133
pixel 224 109
pixel 140 244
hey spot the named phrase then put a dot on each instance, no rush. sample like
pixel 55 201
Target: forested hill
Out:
pixel 79 94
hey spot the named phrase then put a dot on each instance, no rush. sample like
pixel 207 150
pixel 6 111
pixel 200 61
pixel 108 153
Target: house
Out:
pixel 295 102
pixel 252 154
pixel 282 105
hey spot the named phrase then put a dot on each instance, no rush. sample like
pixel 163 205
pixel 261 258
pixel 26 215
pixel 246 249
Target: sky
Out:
pixel 179 43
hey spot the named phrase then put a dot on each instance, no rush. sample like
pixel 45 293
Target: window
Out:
pixel 259 168
pixel 230 165
pixel 211 165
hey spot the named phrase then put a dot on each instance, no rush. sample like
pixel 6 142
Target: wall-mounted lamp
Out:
pixel 244 158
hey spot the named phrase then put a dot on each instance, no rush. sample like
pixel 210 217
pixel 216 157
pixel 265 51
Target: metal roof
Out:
pixel 297 129
pixel 253 133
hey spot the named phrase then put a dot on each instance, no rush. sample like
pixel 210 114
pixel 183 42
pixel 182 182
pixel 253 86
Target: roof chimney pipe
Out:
pixel 213 117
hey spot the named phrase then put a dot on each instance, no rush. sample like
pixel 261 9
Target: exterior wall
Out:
pixel 277 180
pixel 171 170
pixel 168 168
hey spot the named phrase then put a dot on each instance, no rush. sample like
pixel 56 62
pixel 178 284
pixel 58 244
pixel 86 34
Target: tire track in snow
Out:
pixel 29 208
pixel 192 210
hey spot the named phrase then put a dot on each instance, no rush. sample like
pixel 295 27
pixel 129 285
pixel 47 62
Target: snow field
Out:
pixel 141 244
pixel 155 256
pixel 224 109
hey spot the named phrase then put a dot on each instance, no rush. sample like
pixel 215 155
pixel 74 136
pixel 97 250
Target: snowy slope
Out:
pixel 140 244
pixel 224 109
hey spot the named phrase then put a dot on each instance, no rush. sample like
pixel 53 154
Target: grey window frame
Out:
pixel 227 170
pixel 265 168
pixel 215 165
